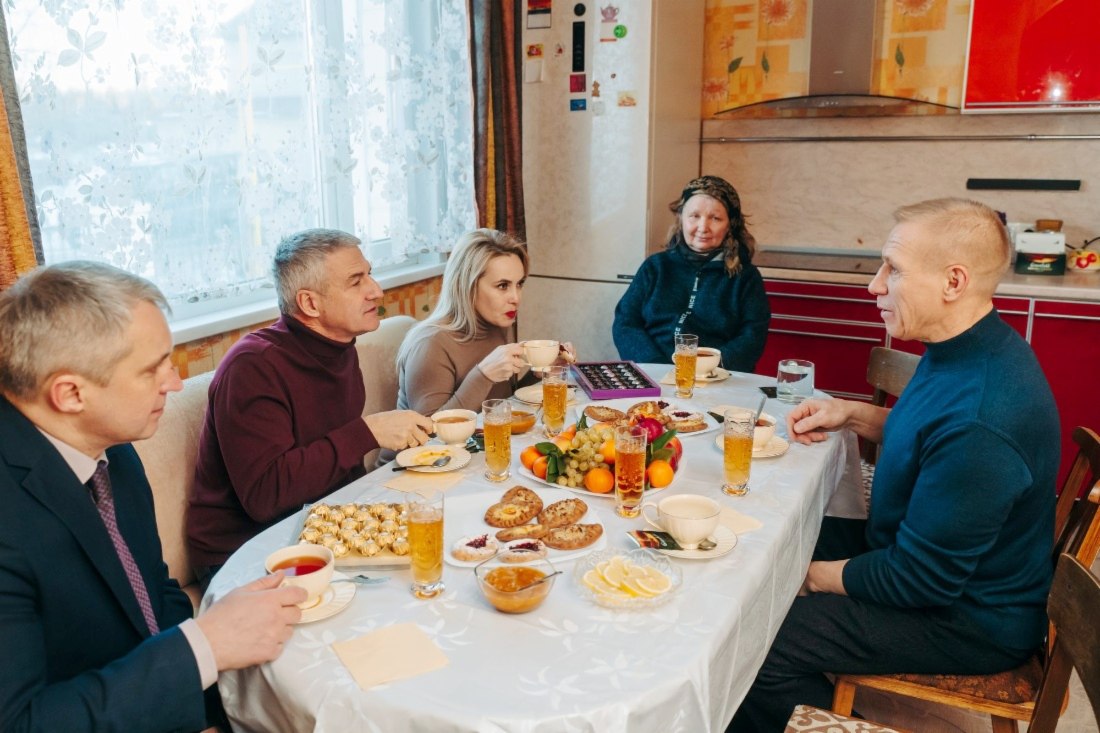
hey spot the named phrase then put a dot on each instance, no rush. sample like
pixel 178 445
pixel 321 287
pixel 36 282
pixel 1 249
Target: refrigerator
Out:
pixel 611 128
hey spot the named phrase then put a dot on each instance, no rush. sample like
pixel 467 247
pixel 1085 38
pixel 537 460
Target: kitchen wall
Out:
pixel 202 355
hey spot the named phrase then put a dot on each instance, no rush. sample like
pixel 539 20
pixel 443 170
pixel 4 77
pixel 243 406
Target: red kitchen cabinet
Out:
pixel 834 326
pixel 1066 339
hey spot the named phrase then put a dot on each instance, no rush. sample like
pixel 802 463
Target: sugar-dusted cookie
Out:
pixel 475 549
pixel 523 551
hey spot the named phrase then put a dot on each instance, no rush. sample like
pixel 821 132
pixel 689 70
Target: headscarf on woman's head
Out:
pixel 720 190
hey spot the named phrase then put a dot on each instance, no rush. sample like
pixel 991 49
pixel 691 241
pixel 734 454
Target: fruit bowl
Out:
pixel 642 591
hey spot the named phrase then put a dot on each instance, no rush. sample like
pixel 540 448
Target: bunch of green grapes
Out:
pixel 583 454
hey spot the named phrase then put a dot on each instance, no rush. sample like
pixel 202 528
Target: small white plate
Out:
pixel 334 600
pixel 776 447
pixel 718 375
pixel 460 457
pixel 724 536
pixel 532 394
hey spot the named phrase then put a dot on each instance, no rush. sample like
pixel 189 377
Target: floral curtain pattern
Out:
pixel 20 250
pixel 181 141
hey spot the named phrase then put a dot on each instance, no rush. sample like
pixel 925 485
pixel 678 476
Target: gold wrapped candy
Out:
pixel 357 529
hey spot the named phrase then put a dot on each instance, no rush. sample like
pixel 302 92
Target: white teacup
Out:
pixel 305 566
pixel 540 354
pixel 706 361
pixel 763 432
pixel 454 427
pixel 689 518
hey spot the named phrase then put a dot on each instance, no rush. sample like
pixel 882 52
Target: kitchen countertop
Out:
pixel 853 267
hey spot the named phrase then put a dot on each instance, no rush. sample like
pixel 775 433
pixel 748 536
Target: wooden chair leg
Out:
pixel 844 696
pixel 1004 725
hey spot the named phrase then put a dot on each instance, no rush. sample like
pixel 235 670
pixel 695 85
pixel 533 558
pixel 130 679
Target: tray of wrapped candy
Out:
pixel 608 380
pixel 364 533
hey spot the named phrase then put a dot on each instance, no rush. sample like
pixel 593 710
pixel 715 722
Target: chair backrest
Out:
pixel 169 458
pixel 1084 474
pixel 1074 598
pixel 888 373
pixel 378 362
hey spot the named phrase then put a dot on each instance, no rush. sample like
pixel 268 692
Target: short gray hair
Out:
pixel 71 316
pixel 966 231
pixel 300 263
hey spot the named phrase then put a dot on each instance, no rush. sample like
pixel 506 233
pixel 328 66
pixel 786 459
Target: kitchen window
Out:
pixel 181 141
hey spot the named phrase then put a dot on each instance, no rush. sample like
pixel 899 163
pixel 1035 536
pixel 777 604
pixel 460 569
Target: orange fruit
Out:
pixel 607 450
pixel 539 466
pixel 570 432
pixel 599 480
pixel 564 442
pixel 529 455
pixel 659 473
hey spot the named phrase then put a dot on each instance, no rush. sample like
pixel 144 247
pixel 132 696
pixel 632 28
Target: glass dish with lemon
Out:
pixel 627 579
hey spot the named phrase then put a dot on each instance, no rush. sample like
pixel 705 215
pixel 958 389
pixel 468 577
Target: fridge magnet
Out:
pixel 609 18
pixel 620 31
pixel 533 64
pixel 576 83
pixel 534 50
pixel 538 13
pixel 578 105
pixel 595 89
pixel 627 99
pixel 597 107
pixel 559 50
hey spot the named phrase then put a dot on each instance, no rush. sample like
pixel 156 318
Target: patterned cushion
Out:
pixel 1014 686
pixel 807 718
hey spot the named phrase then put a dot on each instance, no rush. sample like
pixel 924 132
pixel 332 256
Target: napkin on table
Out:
pixel 412 482
pixel 670 379
pixel 389 654
pixel 738 522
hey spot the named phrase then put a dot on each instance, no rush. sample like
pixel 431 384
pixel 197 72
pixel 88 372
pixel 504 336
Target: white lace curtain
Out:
pixel 181 140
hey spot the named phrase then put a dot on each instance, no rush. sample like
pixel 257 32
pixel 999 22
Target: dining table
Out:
pixel 570 664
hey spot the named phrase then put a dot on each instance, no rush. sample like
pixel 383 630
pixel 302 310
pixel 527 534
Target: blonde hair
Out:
pixel 963 231
pixel 300 264
pixel 455 312
pixel 71 316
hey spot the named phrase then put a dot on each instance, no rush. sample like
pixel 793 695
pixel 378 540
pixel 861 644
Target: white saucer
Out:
pixel 724 536
pixel 718 375
pixel 334 600
pixel 460 457
pixel 777 446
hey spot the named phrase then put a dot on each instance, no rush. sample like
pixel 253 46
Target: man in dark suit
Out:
pixel 94 635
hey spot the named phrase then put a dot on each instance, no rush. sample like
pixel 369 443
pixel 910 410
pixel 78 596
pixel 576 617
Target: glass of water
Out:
pixel 795 381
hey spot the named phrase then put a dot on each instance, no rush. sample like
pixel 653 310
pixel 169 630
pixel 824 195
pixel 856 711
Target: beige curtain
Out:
pixel 20 241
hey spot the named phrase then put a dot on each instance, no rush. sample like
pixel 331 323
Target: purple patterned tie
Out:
pixel 105 503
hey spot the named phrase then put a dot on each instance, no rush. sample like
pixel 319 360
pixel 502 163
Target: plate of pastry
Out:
pixel 518 525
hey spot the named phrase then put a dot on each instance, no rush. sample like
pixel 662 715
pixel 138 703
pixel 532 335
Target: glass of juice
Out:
pixel 497 417
pixel 687 352
pixel 425 521
pixel 554 398
pixel 737 432
pixel 630 442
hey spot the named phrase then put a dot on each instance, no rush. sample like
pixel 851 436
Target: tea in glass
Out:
pixel 685 356
pixel 630 443
pixel 737 432
pixel 555 394
pixel 425 522
pixel 497 415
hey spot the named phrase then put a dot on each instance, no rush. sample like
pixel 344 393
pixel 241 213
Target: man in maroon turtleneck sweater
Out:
pixel 285 426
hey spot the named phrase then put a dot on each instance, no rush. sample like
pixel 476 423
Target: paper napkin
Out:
pixel 670 379
pixel 394 653
pixel 738 522
pixel 412 481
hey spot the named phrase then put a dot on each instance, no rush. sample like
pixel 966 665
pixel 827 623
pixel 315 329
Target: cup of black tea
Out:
pixel 306 566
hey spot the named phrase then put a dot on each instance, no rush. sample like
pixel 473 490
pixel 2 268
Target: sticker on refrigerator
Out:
pixel 533 65
pixel 538 13
pixel 576 83
pixel 578 105
pixel 609 19
pixel 627 99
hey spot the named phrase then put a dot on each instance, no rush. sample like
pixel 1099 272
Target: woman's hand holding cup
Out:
pixel 503 362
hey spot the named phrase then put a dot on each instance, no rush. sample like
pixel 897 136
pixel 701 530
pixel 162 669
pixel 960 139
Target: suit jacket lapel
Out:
pixel 50 480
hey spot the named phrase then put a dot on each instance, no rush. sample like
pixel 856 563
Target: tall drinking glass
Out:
pixel 554 397
pixel 687 351
pixel 425 519
pixel 630 442
pixel 737 432
pixel 497 415
pixel 795 381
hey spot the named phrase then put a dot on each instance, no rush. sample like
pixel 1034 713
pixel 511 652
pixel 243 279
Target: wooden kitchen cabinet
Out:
pixel 834 326
pixel 1066 338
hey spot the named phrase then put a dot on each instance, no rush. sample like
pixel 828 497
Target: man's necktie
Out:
pixel 100 485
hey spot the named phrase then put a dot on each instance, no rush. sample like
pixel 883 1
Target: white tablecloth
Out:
pixel 570 665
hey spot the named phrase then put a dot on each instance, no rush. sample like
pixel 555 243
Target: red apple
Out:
pixel 677 451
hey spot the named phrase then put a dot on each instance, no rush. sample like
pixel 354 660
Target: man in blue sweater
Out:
pixel 951 571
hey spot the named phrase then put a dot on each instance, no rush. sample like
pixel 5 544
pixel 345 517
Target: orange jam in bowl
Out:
pixel 505 586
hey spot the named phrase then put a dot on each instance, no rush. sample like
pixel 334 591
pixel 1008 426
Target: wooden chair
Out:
pixel 808 719
pixel 378 362
pixel 1074 598
pixel 888 372
pixel 1008 696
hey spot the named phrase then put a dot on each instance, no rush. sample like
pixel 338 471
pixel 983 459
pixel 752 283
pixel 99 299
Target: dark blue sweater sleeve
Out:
pixel 628 328
pixel 743 349
pixel 969 480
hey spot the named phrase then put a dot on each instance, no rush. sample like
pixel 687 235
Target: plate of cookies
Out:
pixel 364 533
pixel 520 525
